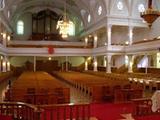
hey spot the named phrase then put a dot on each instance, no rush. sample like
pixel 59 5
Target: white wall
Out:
pixel 155 31
pixel 100 60
pixel 119 34
pixel 140 34
pixel 102 39
pixel 76 61
pixel 20 61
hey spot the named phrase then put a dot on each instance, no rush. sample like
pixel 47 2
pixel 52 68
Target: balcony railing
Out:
pixel 23 111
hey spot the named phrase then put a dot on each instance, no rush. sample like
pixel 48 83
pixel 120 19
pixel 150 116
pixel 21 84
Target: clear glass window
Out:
pixel 20 27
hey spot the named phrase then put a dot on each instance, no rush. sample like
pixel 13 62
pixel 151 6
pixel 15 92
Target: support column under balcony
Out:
pixel 95 63
pixel 130 63
pixel 109 58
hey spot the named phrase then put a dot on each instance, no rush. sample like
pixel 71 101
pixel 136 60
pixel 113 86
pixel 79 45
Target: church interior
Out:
pixel 79 60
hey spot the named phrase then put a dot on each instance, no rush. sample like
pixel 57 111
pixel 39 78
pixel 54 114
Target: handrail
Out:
pixel 19 110
pixel 24 111
pixel 66 111
pixel 20 103
pixel 145 41
pixel 142 106
pixel 58 105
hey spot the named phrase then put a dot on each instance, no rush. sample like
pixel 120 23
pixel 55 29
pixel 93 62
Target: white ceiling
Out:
pixel 78 8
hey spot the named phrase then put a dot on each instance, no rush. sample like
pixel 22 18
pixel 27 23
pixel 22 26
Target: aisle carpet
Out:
pixel 110 111
pixel 116 111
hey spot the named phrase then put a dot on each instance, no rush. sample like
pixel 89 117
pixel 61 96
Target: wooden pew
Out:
pixel 93 86
pixel 39 88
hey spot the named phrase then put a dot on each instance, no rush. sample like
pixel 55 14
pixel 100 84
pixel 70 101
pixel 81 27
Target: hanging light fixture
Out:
pixel 64 24
pixel 150 15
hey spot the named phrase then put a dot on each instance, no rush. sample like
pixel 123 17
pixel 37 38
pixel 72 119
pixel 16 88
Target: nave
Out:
pixel 113 110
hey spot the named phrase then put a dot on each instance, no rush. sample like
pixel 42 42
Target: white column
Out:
pixel 130 63
pixel 149 61
pixel 66 63
pixel 104 61
pixel 8 68
pixel 86 42
pixel 1 64
pixel 95 63
pixel 146 69
pixel 34 69
pixel 95 41
pixel 130 35
pixel 109 33
pixel 4 67
pixel 86 65
pixel 109 57
pixel 4 39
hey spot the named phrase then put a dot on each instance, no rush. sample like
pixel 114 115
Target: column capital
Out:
pixel 109 26
pixel 131 27
pixel 109 55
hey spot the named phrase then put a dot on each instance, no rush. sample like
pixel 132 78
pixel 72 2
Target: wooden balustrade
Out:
pixel 142 106
pixel 20 111
pixel 66 112
pixel 23 111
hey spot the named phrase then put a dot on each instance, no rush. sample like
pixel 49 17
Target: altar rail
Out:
pixel 23 111
pixel 143 106
pixel 20 111
pixel 66 112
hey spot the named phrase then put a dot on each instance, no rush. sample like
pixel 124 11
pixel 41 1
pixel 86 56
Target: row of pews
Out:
pixel 102 89
pixel 148 81
pixel 38 88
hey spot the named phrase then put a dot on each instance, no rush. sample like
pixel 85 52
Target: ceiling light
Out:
pixel 49 58
pixel 64 24
pixel 126 42
pixel 150 15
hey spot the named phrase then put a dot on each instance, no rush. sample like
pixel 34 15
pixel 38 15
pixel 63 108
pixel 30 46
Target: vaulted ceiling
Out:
pixel 77 8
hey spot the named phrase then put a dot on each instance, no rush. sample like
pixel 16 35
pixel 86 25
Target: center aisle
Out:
pixel 77 96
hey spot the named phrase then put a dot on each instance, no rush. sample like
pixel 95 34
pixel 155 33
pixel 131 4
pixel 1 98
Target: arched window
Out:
pixel 72 29
pixel 20 27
